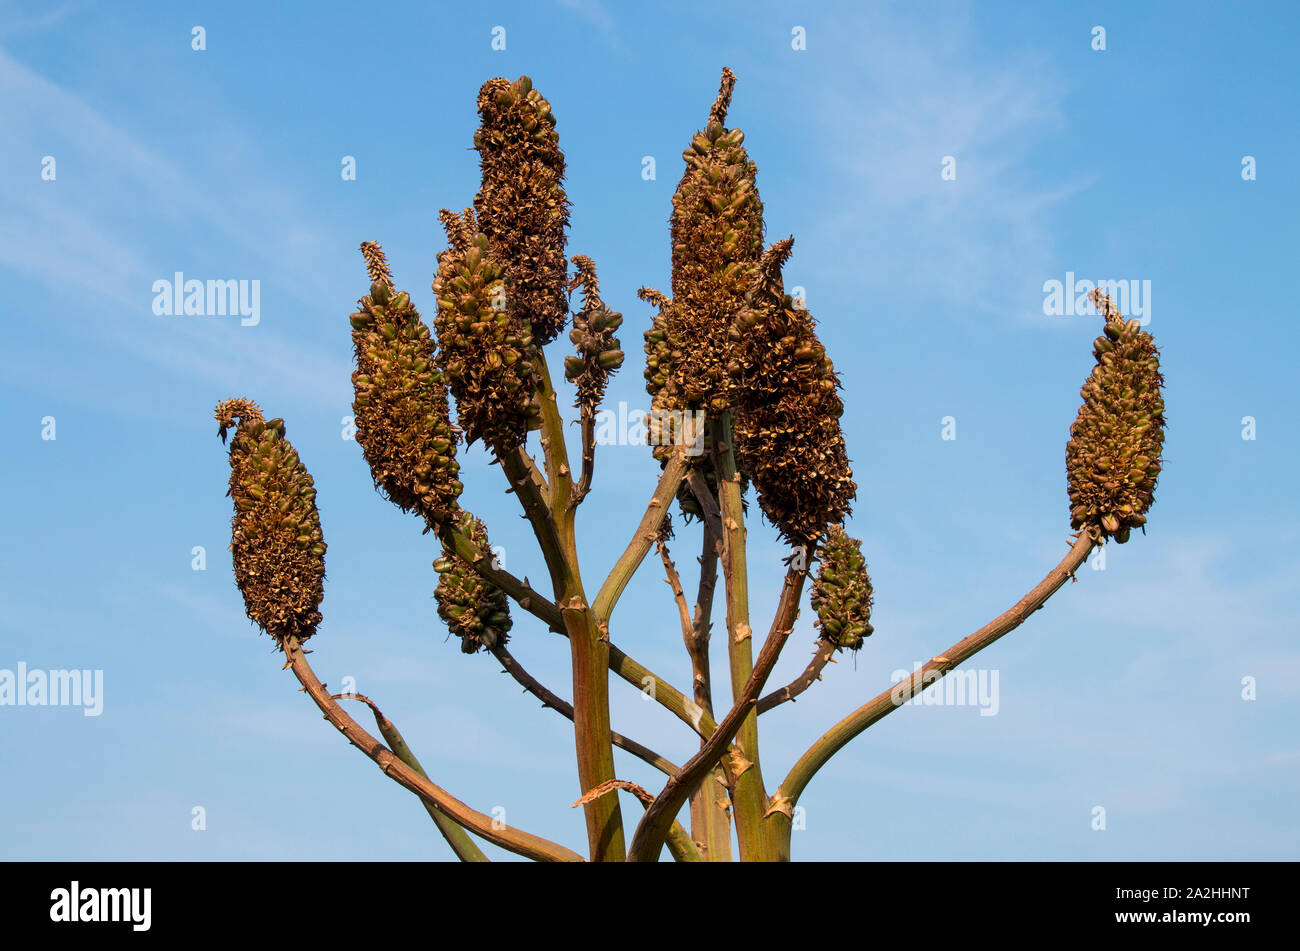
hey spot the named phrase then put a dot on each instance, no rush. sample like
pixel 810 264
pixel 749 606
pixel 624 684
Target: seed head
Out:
pixel 276 541
pixel 485 348
pixel 593 329
pixel 841 592
pixel 717 237
pixel 1113 457
pixel 787 416
pixel 474 610
pixel 400 404
pixel 521 203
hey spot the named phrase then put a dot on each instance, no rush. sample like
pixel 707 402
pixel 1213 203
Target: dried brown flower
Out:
pixel 1113 457
pixel 521 203
pixel 717 237
pixel 485 348
pixel 276 541
pixel 474 610
pixel 400 405
pixel 787 416
pixel 593 335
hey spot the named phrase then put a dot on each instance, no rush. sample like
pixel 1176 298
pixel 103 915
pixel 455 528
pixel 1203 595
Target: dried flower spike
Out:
pixel 717 236
pixel 787 429
pixel 1113 456
pixel 401 409
pixel 521 203
pixel 485 348
pixel 841 592
pixel 593 329
pixel 473 610
pixel 276 541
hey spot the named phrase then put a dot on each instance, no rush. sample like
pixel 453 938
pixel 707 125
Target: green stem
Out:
pixel 588 642
pixel 510 839
pixel 647 531
pixel 747 793
pixel 655 824
pixel 465 848
pixel 885 703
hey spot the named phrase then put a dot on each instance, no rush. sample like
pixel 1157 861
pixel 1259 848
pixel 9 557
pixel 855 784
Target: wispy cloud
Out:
pixel 920 95
pixel 80 235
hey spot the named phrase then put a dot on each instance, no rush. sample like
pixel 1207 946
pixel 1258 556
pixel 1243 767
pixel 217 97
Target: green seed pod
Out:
pixel 281 578
pixel 1113 456
pixel 841 592
pixel 593 334
pixel 521 204
pixel 473 610
pixel 787 410
pixel 400 406
pixel 717 238
pixel 485 349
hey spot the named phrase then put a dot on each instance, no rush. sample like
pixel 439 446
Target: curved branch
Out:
pixel 545 610
pixel 527 483
pixel 465 848
pixel 524 594
pixel 674 582
pixel 838 736
pixel 513 840
pixel 562 706
pixel 655 824
pixel 646 533
pixel 825 654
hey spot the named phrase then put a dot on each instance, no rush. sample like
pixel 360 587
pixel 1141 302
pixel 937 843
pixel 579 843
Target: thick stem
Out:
pixel 743 771
pixel 650 833
pixel 710 811
pixel 513 840
pixel 885 703
pixel 589 651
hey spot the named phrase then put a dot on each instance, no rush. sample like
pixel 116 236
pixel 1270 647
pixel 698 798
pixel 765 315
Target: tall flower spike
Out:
pixel 593 334
pixel 400 404
pixel 1113 457
pixel 485 348
pixel 787 429
pixel 473 610
pixel 841 592
pixel 275 539
pixel 717 237
pixel 521 203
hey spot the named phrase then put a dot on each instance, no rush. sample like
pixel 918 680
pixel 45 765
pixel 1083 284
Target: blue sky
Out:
pixel 1122 164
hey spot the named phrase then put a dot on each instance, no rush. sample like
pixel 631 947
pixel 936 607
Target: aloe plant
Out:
pixel 734 368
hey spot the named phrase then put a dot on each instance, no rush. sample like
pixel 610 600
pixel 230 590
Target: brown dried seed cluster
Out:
pixel 485 348
pixel 474 610
pixel 593 334
pixel 841 592
pixel 521 203
pixel 276 541
pixel 717 235
pixel 1113 457
pixel 787 424
pixel 401 409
